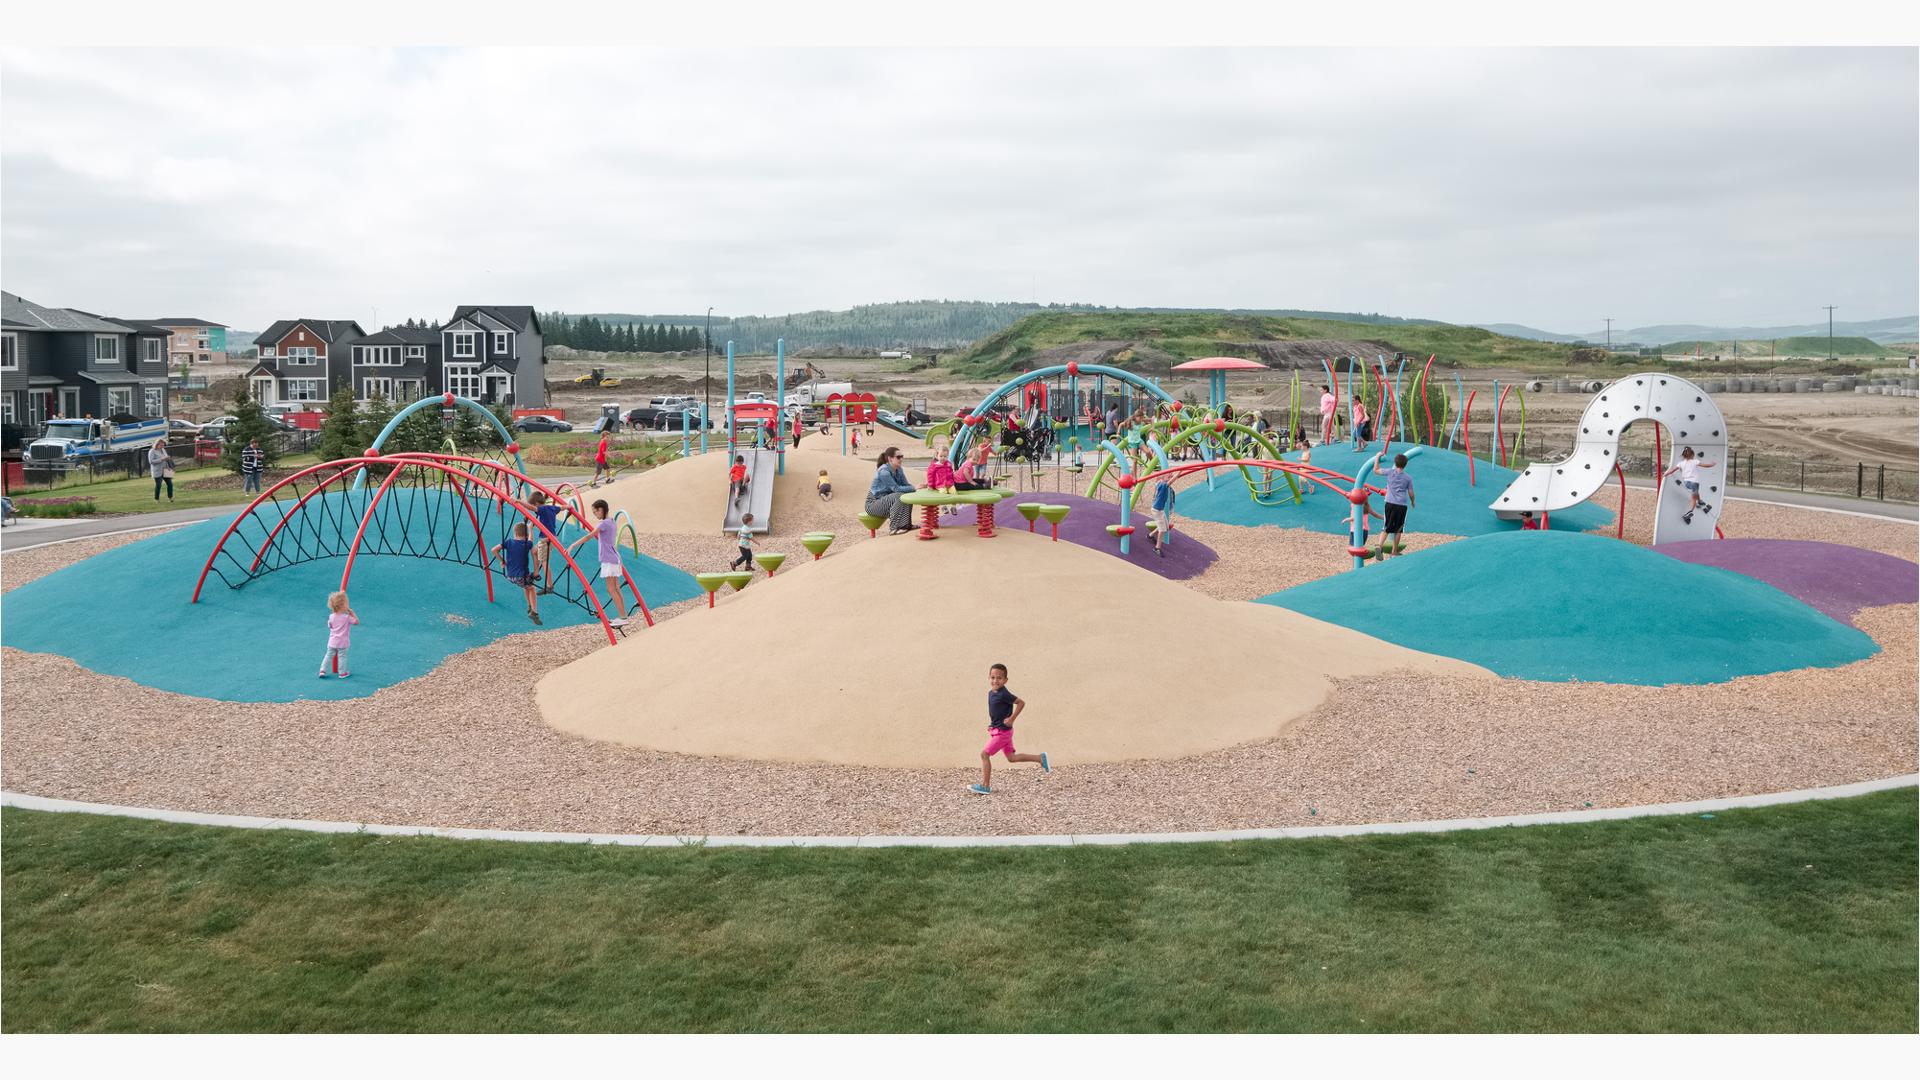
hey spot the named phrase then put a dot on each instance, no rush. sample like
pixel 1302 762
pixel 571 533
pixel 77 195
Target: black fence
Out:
pixel 1751 469
pixel 188 453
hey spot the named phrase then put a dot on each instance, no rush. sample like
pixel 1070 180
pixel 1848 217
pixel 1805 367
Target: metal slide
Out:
pixel 1691 419
pixel 917 436
pixel 763 467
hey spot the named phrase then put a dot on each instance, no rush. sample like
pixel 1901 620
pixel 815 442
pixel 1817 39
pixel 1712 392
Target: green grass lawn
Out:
pixel 1795 918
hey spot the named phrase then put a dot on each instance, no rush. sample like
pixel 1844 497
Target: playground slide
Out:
pixel 763 467
pixel 1690 418
pixel 916 436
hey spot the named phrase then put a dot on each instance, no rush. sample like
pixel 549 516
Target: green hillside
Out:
pixel 1814 346
pixel 1177 337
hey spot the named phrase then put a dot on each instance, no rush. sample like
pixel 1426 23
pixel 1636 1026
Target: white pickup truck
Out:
pixel 70 440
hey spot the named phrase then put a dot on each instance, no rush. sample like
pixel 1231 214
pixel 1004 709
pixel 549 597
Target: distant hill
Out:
pixel 1153 342
pixel 1884 331
pixel 1808 346
pixel 924 324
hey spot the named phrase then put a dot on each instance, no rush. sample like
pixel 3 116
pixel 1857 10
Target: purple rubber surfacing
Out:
pixel 1087 526
pixel 1835 579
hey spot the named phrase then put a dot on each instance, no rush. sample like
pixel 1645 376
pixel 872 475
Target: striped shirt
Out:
pixel 251 459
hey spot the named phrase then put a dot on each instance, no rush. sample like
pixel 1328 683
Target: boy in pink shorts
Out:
pixel 1003 708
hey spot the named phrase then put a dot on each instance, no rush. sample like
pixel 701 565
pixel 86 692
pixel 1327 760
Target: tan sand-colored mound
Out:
pixel 689 496
pixel 1115 662
pixel 870 445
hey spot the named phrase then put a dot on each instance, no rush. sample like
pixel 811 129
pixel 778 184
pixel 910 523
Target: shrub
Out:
pixel 66 506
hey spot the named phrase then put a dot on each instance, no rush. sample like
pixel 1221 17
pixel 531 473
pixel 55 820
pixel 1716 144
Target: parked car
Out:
pixel 541 423
pixel 684 418
pixel 648 415
pixel 182 427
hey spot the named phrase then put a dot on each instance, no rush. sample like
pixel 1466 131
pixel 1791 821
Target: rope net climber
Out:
pixel 417 505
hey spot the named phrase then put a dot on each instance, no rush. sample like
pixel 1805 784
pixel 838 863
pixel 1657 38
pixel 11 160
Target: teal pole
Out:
pixel 732 435
pixel 780 397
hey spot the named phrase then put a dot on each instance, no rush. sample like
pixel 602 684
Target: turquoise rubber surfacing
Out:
pixel 125 612
pixel 1558 607
pixel 1444 502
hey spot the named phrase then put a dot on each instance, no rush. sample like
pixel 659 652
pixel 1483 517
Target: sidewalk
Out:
pixel 1813 499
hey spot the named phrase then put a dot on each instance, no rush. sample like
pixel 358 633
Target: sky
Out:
pixel 1549 187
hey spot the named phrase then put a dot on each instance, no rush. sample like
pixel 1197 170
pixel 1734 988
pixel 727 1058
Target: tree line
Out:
pixel 604 335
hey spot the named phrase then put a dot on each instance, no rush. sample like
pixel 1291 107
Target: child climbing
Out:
pixel 548 515
pixel 737 480
pixel 824 487
pixel 1689 468
pixel 611 571
pixel 743 536
pixel 514 553
pixel 340 623
pixel 1003 708
pixel 1399 500
pixel 1162 517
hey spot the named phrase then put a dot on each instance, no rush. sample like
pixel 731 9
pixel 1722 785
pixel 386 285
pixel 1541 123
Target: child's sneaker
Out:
pixel 1687 517
pixel 980 789
pixel 323 674
pixel 344 674
pixel 535 616
pixel 1704 506
pixel 1044 766
pixel 617 623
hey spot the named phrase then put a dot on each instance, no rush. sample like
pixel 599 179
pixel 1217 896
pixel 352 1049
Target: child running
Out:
pixel 737 479
pixel 1003 708
pixel 340 623
pixel 514 553
pixel 611 572
pixel 1689 468
pixel 744 537
pixel 600 463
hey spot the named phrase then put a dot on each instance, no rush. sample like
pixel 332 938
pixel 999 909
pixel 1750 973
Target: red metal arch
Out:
pixel 344 466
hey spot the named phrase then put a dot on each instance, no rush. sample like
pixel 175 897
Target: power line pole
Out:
pixel 1609 335
pixel 1830 308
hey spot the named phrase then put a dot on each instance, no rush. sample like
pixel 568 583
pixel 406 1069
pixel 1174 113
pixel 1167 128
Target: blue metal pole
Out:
pixel 732 435
pixel 780 402
pixel 1460 395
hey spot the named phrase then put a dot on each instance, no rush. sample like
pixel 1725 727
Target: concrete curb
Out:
pixel 96 536
pixel 1564 817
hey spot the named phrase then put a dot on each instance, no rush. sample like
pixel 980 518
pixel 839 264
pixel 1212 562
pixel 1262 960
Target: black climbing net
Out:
pixel 420 507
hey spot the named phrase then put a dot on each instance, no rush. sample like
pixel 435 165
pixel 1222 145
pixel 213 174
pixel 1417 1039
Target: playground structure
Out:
pixel 421 508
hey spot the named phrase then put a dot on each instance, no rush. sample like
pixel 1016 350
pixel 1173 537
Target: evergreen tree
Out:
pixel 469 431
pixel 340 431
pixel 422 431
pixel 503 414
pixel 249 422
pixel 373 418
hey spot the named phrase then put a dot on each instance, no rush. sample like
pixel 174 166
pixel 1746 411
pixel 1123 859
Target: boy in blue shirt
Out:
pixel 1399 500
pixel 513 554
pixel 1162 517
pixel 549 516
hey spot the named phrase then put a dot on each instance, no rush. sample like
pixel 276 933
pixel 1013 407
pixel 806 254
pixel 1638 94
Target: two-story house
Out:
pixel 401 363
pixel 195 341
pixel 64 362
pixel 302 360
pixel 494 354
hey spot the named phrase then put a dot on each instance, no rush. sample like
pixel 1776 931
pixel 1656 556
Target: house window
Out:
pixel 500 344
pixel 416 352
pixel 152 354
pixel 411 389
pixel 266 352
pixel 6 407
pixel 302 354
pixel 463 344
pixel 377 354
pixel 119 400
pixel 155 407
pixel 303 390
pixel 106 349
pixel 9 353
pixel 464 380
pixel 381 388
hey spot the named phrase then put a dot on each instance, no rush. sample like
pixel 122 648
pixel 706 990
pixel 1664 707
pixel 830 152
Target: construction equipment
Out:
pixel 597 377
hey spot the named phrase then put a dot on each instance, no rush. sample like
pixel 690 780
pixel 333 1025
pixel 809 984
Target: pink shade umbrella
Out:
pixel 1219 363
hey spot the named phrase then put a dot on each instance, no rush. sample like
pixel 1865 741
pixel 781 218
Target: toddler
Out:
pixel 744 537
pixel 340 623
pixel 824 487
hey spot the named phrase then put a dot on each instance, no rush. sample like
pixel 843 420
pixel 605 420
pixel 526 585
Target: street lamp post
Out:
pixel 1830 308
pixel 1609 335
pixel 706 385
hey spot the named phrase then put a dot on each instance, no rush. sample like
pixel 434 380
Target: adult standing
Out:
pixel 160 465
pixel 883 496
pixel 253 461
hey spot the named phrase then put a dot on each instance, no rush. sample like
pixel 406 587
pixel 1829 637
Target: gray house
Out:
pixel 63 362
pixel 401 363
pixel 494 355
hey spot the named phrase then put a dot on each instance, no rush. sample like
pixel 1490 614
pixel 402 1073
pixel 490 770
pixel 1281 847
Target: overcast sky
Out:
pixel 1537 186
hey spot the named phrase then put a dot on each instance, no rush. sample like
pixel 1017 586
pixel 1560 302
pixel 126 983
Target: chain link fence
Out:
pixel 1751 469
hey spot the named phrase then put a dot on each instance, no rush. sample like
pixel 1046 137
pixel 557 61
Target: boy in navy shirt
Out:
pixel 513 554
pixel 1003 708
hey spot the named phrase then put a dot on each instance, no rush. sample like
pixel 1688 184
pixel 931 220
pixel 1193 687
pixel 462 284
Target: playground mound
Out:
pixel 1184 557
pixel 1574 607
pixel 1115 663
pixel 1444 501
pixel 1837 579
pixel 689 496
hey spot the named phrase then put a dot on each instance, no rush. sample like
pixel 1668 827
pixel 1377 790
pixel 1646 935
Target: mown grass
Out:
pixel 1796 918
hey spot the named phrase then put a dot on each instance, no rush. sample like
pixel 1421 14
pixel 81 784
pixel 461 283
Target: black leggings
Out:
pixel 744 562
pixel 157 481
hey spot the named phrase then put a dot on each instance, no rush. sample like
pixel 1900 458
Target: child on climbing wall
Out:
pixel 611 570
pixel 514 554
pixel 548 514
pixel 1689 468
pixel 340 623
pixel 1003 708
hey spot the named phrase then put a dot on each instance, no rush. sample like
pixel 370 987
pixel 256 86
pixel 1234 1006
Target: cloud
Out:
pixel 1530 185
